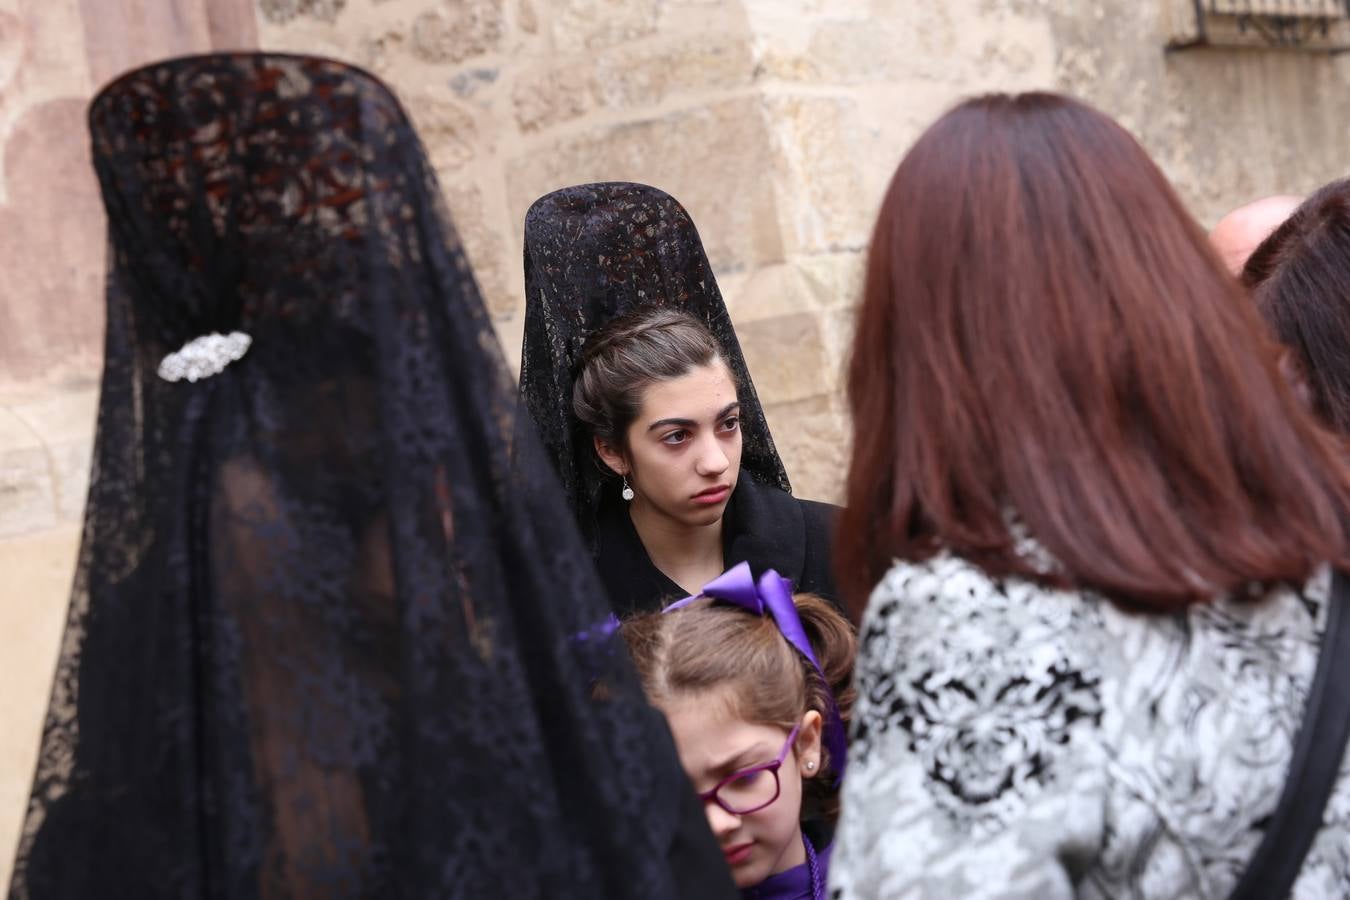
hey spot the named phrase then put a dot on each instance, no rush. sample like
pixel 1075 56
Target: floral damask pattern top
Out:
pixel 1015 741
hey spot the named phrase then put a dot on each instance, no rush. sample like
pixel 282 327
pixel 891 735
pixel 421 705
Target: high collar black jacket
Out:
pixel 762 525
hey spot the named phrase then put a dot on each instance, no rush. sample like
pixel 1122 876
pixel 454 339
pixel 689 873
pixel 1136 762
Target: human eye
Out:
pixel 731 423
pixel 750 789
pixel 746 779
pixel 675 438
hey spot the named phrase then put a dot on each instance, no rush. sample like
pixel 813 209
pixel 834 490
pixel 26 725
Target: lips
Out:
pixel 738 854
pixel 713 495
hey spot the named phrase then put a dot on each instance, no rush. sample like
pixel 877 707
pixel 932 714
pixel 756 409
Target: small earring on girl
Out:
pixel 627 492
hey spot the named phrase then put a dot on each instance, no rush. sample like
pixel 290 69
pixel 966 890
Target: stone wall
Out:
pixel 776 122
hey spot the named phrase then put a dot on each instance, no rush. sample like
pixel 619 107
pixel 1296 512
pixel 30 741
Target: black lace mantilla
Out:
pixel 329 635
pixel 596 251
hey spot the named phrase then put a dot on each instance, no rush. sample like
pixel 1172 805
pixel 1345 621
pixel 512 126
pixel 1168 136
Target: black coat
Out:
pixel 768 527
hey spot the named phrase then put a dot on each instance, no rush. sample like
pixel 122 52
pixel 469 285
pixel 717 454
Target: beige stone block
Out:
pixel 710 158
pixel 812 439
pixel 378 51
pixel 590 24
pixel 482 240
pixel 510 334
pixel 448 131
pixel 51 258
pixel 821 206
pixel 646 74
pixel 779 64
pixel 631 76
pixel 60 415
pixel 15 433
pixel 12 41
pixel 279 12
pixel 970 45
pixel 834 279
pixel 36 572
pixel 838 327
pixel 63 420
pixel 70 465
pixel 854 50
pixel 459 31
pixel 766 292
pixel 786 357
pixel 27 496
pixel 126 33
pixel 526 17
pixel 802 10
pixel 548 96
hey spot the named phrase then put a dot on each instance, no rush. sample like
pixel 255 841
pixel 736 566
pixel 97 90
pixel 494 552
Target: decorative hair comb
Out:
pixel 204 356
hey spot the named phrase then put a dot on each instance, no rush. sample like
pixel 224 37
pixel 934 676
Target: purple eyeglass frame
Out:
pixel 773 767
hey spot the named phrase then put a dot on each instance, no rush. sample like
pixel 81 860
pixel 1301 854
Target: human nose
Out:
pixel 713 460
pixel 719 820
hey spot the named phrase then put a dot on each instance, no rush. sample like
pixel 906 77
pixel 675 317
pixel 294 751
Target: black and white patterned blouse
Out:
pixel 1015 741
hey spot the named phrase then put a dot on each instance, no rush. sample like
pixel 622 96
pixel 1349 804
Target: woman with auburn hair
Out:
pixel 1090 524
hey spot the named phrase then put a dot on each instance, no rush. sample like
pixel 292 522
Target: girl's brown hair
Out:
pixel 629 354
pixel 710 646
pixel 1047 337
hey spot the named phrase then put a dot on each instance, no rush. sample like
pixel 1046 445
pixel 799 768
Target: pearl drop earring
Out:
pixel 627 492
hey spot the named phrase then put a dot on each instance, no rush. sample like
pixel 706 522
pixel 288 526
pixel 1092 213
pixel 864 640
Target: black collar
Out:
pixel 762 525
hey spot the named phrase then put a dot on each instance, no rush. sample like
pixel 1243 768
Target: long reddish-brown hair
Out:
pixel 1047 343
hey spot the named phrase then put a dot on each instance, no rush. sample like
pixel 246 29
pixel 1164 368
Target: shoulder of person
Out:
pixel 948 653
pixel 976 738
pixel 948 606
pixel 818 513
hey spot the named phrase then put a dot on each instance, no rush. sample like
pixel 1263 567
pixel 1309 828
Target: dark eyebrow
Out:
pixel 690 423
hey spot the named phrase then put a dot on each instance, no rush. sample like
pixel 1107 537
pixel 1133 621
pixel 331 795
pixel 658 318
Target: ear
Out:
pixel 1293 373
pixel 611 456
pixel 810 760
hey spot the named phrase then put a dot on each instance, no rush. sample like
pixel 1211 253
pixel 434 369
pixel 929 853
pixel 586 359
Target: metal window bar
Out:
pixel 1318 9
pixel 1319 25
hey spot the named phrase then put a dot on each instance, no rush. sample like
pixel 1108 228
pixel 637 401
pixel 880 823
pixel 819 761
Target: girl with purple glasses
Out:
pixel 755 683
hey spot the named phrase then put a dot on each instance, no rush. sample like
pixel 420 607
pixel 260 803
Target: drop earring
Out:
pixel 627 492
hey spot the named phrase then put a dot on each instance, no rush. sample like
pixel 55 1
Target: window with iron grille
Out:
pixel 1311 25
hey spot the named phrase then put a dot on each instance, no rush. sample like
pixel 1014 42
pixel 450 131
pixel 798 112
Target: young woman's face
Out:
pixel 713 745
pixel 684 448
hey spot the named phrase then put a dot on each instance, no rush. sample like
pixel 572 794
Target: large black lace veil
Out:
pixel 596 251
pixel 327 637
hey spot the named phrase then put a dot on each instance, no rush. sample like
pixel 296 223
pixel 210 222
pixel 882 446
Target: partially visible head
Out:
pixel 1299 278
pixel 1046 335
pixel 1240 232
pixel 662 409
pixel 733 688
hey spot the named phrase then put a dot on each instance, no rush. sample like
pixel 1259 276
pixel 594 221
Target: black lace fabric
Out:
pixel 328 637
pixel 596 251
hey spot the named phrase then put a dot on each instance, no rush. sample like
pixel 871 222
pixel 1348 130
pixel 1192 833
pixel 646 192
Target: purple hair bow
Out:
pixel 772 595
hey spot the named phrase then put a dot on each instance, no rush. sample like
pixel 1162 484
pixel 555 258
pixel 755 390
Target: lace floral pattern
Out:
pixel 1011 740
pixel 321 641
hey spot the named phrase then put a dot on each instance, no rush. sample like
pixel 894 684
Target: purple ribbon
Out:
pixel 773 596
